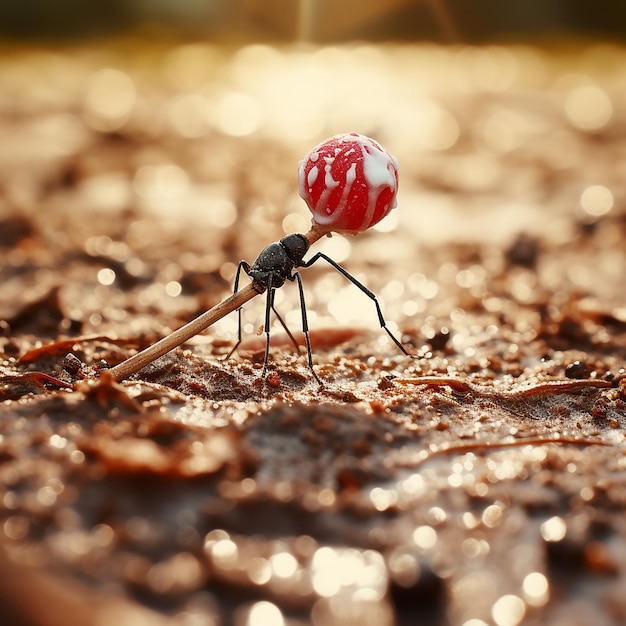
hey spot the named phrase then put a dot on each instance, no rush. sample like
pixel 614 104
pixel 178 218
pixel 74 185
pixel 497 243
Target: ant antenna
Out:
pixel 349 183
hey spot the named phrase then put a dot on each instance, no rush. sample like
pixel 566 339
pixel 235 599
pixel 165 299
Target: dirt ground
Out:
pixel 479 481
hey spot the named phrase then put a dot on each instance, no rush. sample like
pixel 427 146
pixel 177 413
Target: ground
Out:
pixel 478 480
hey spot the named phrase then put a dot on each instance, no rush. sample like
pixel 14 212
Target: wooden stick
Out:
pixel 316 232
pixel 141 359
pixel 202 322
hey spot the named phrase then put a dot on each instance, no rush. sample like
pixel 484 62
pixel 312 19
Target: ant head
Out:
pixel 296 246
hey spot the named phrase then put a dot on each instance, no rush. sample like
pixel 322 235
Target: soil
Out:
pixel 479 480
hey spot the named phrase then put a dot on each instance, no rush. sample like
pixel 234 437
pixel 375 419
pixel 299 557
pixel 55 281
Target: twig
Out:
pixel 163 346
pixel 485 446
pixel 462 386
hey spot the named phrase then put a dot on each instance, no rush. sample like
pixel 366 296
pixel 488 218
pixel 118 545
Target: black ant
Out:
pixel 276 264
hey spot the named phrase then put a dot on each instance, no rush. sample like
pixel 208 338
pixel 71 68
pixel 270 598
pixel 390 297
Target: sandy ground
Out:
pixel 480 480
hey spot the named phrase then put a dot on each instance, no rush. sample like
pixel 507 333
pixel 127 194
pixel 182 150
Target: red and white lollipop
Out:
pixel 349 183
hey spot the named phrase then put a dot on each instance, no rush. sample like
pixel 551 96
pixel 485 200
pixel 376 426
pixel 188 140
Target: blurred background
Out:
pixel 174 128
pixel 318 20
pixel 146 146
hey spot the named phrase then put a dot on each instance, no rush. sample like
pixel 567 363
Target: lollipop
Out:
pixel 349 183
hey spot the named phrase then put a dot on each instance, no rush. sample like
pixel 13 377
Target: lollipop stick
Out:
pixel 141 359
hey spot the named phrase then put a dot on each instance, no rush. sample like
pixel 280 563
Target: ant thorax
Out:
pixel 276 262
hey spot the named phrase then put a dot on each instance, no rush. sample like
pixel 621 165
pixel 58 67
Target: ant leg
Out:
pixel 245 266
pixel 363 288
pixel 305 327
pixel 284 325
pixel 268 307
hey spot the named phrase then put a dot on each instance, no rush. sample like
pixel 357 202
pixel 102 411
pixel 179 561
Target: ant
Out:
pixel 276 264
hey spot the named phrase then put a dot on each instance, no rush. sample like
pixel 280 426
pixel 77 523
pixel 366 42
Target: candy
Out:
pixel 349 183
